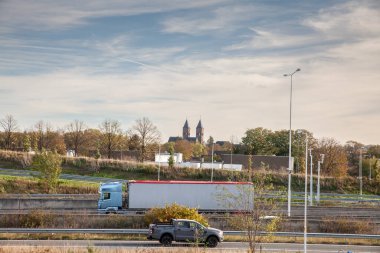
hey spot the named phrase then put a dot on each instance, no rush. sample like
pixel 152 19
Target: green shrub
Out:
pixel 49 166
pixel 173 211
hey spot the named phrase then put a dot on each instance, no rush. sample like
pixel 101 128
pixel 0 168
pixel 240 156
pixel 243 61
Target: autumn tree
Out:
pixel 198 150
pixel 335 162
pixel 185 147
pixel 74 137
pixel 9 125
pixel 148 136
pixel 111 135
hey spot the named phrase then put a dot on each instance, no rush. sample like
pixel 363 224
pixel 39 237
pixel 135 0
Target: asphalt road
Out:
pixel 224 247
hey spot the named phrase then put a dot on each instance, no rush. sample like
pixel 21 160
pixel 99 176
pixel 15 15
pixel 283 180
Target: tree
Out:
pixel 258 140
pixel 75 135
pixel 9 124
pixel 27 145
pixel 253 209
pixel 352 149
pixel 185 147
pixel 335 163
pixel 49 165
pixel 210 141
pixel 111 135
pixel 198 150
pixel 148 135
pixel 171 152
pixel 374 151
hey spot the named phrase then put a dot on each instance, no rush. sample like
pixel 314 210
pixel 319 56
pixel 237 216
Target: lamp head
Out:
pixel 322 157
pixel 298 69
pixel 285 74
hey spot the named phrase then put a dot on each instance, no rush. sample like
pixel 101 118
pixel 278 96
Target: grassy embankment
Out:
pixel 131 170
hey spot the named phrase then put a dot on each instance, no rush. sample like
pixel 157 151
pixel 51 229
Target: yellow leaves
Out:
pixel 173 211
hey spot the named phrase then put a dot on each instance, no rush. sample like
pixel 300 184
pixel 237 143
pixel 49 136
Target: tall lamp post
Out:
pixel 290 168
pixel 305 207
pixel 159 161
pixel 319 176
pixel 361 171
pixel 212 161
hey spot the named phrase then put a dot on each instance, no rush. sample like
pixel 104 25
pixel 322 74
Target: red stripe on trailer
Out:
pixel 184 182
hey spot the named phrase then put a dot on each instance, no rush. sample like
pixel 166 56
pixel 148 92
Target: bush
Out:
pixel 345 225
pixel 173 211
pixel 49 165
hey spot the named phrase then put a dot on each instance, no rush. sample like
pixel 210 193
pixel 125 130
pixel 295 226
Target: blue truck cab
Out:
pixel 111 197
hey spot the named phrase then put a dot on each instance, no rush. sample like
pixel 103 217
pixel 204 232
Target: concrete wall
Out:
pixel 44 203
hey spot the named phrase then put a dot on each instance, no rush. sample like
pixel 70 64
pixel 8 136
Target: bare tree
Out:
pixel 75 135
pixel 148 135
pixel 254 210
pixel 111 135
pixel 9 124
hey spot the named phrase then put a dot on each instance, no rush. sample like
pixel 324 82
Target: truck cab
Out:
pixel 110 197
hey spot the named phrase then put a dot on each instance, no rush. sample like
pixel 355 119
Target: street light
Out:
pixel 319 175
pixel 212 161
pixel 290 168
pixel 159 162
pixel 361 171
pixel 305 203
pixel 311 178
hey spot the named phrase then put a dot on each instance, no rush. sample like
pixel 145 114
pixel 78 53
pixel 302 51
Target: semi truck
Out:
pixel 141 195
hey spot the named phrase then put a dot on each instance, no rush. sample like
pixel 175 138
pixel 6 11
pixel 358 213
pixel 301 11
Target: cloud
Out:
pixel 220 20
pixel 353 20
pixel 44 15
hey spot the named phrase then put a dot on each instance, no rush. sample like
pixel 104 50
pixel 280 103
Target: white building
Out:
pixel 164 158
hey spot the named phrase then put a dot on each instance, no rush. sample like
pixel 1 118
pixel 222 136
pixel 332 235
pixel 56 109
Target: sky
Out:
pixel 221 61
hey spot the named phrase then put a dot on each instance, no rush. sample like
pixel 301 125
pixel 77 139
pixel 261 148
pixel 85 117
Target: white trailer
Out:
pixel 142 195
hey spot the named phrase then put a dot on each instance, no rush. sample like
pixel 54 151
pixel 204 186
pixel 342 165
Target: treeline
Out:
pixel 141 139
pixel 339 160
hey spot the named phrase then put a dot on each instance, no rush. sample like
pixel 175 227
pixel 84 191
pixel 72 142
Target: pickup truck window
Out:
pixel 195 225
pixel 183 224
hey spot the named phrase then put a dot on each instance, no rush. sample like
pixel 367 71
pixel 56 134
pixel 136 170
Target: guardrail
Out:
pixel 145 231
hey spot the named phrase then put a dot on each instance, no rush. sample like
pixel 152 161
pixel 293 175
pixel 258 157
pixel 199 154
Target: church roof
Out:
pixel 199 124
pixel 186 125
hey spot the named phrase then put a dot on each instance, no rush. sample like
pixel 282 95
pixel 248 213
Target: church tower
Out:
pixel 186 131
pixel 199 132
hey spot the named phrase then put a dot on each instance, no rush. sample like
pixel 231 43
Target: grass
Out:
pixel 30 185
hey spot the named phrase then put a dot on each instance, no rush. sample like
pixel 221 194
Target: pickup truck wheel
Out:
pixel 166 240
pixel 212 242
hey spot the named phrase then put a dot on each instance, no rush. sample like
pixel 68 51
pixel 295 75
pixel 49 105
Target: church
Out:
pixel 199 134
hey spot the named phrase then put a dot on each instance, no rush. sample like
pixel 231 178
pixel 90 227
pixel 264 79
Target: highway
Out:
pixel 223 247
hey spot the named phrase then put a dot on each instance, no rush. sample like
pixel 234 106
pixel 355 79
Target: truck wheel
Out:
pixel 166 240
pixel 212 242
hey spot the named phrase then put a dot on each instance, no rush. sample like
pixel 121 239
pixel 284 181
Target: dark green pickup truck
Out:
pixel 181 230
